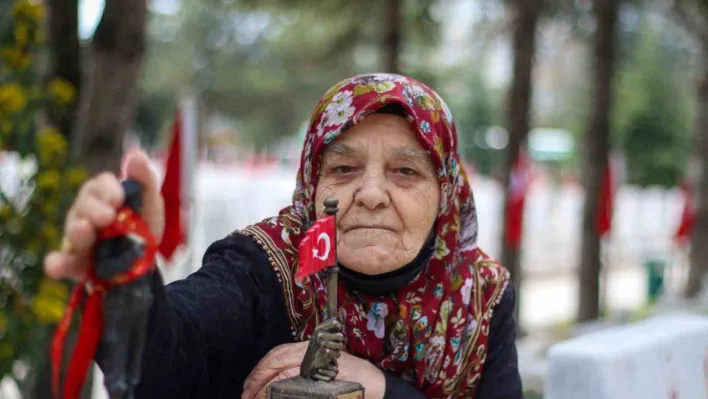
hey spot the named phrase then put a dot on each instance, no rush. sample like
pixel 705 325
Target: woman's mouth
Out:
pixel 368 227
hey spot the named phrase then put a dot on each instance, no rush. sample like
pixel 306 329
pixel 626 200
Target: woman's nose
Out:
pixel 372 193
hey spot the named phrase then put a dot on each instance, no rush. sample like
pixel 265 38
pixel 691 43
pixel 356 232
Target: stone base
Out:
pixel 301 388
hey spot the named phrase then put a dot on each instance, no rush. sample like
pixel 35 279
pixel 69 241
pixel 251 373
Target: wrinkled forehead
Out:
pixel 377 137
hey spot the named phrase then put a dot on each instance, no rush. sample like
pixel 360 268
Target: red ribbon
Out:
pixel 91 327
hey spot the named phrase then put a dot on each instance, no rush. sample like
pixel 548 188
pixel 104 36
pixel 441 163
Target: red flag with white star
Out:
pixel 318 250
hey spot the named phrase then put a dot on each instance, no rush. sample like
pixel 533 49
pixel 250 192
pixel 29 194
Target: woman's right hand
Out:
pixel 95 207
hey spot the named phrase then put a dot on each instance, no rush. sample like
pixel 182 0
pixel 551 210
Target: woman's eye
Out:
pixel 343 169
pixel 406 171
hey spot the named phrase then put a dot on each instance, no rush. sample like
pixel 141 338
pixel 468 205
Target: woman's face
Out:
pixel 388 194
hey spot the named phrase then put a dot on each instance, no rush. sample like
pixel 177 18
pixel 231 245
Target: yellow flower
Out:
pixel 76 176
pixel 383 87
pixel 16 58
pixel 53 288
pixel 438 146
pixel 48 179
pixel 362 89
pixel 52 145
pixel 12 97
pixel 32 10
pixel 47 311
pixel 48 305
pixel 62 91
pixel 21 33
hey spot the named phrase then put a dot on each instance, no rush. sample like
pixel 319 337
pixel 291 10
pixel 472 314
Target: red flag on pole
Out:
pixel 688 216
pixel 605 205
pixel 318 250
pixel 519 183
pixel 171 191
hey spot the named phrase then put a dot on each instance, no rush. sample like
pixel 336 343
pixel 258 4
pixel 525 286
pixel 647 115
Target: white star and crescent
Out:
pixel 315 251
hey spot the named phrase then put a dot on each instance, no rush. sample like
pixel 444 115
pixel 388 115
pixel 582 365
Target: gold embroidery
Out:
pixel 279 263
pixel 487 272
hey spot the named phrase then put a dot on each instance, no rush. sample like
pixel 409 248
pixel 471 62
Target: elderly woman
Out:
pixel 425 313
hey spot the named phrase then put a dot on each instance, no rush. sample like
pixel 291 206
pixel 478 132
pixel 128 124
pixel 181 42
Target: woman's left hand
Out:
pixel 284 361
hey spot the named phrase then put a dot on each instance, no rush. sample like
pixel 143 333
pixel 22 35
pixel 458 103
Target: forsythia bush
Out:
pixel 37 183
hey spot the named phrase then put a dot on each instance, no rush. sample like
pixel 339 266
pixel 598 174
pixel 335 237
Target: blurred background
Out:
pixel 583 125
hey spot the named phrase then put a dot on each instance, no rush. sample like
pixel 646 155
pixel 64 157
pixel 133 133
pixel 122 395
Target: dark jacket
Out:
pixel 208 331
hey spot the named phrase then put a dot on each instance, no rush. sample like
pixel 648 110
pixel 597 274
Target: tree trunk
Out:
pixel 699 237
pixel 518 116
pixel 392 35
pixel 110 87
pixel 65 55
pixel 597 145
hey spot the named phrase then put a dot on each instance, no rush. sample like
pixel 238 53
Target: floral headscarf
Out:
pixel 433 332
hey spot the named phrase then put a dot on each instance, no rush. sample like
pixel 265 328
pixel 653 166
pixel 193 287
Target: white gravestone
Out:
pixel 663 357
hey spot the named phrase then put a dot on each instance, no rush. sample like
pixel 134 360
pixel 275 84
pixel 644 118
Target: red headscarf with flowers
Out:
pixel 432 332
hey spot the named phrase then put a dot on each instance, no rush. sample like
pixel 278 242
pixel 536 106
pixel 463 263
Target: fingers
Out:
pixel 323 337
pixel 332 345
pixel 58 265
pixel 105 187
pixel 332 353
pixel 321 377
pixel 96 211
pixel 137 167
pixel 94 208
pixel 327 374
pixel 279 359
pixel 330 325
pixel 330 341
pixel 79 235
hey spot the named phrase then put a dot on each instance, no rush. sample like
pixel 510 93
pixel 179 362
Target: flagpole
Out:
pixel 331 209
pixel 189 156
